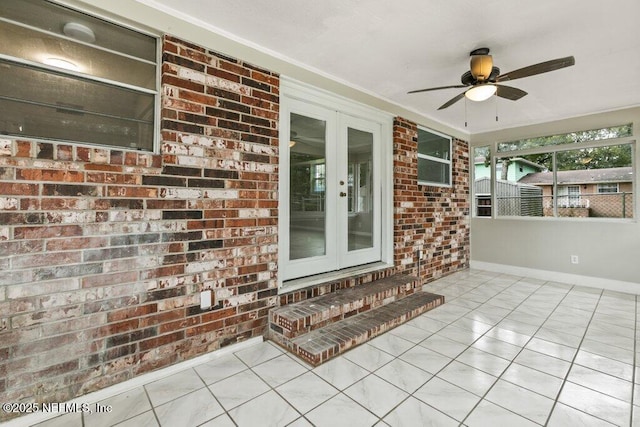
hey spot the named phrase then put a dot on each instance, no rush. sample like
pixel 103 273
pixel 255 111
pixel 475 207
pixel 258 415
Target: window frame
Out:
pixel 318 179
pixel 610 185
pixel 569 196
pixel 80 76
pixel 448 162
pixel 552 149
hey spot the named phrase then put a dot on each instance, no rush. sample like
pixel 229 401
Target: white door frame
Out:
pixel 292 91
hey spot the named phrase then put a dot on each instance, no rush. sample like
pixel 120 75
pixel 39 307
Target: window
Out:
pixel 482 180
pixel 483 205
pixel 593 181
pixel 434 158
pixel 569 196
pixel 317 178
pixel 72 77
pixel 609 188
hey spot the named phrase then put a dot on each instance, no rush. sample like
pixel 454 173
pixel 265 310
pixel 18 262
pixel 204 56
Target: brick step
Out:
pixel 301 317
pixel 321 344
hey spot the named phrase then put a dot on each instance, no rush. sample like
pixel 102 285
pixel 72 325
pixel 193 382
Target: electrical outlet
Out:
pixel 575 259
pixel 206 299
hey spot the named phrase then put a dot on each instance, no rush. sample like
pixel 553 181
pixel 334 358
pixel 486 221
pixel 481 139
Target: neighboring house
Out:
pixel 591 192
pixel 518 168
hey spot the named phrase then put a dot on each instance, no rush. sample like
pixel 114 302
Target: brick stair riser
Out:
pixel 352 341
pixel 317 359
pixel 328 288
pixel 300 326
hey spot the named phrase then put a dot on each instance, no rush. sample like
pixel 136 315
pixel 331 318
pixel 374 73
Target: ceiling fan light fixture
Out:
pixel 481 92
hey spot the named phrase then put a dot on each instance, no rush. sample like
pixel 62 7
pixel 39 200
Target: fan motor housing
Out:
pixel 467 78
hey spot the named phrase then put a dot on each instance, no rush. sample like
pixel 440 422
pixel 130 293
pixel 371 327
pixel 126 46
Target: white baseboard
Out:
pixel 573 279
pixel 100 395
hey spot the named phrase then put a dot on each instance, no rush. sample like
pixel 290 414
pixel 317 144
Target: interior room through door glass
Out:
pixel 307 198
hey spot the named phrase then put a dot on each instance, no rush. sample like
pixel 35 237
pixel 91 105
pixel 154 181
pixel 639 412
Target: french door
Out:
pixel 331 212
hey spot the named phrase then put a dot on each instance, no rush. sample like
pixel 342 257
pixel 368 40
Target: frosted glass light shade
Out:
pixel 481 92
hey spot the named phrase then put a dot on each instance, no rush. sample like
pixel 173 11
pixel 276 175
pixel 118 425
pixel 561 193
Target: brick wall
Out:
pixel 103 251
pixel 435 219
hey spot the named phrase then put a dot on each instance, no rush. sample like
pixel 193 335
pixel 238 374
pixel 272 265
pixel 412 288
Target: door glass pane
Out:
pixel 360 189
pixel 307 219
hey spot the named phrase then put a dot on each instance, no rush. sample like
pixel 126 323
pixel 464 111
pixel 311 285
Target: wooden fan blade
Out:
pixel 436 88
pixel 509 92
pixel 542 67
pixel 452 101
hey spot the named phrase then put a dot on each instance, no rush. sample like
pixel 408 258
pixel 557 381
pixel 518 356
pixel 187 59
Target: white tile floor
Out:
pixel 502 351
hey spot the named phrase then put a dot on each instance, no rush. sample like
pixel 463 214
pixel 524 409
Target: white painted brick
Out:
pixel 42 288
pixel 406 261
pixel 180 193
pixel 49 164
pixel 192 75
pixel 240 299
pixel 6 146
pixel 271 249
pixel 196 140
pixel 254 213
pixel 258 148
pixel 223 294
pixel 8 203
pixel 227 85
pixel 259 167
pixel 221 194
pixel 71 217
pixel 126 216
pixel 192 161
pixel 195 267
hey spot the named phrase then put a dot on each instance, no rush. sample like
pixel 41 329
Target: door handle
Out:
pixel 343 194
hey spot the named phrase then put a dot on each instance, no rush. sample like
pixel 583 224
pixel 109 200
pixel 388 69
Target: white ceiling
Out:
pixel 390 47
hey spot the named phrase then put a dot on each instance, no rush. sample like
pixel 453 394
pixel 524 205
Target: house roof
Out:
pixel 482 159
pixel 585 176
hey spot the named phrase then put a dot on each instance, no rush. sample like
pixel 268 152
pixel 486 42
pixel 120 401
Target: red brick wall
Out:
pixel 103 251
pixel 435 219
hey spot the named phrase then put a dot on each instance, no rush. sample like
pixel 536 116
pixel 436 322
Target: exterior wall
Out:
pixel 432 219
pixel 517 173
pixel 513 173
pixel 103 251
pixel 607 205
pixel 481 171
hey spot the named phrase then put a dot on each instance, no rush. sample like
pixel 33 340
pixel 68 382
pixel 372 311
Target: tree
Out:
pixel 611 156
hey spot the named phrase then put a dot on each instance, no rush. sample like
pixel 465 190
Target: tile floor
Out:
pixel 502 351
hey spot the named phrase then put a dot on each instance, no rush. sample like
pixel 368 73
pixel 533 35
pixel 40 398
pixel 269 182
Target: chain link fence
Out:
pixel 595 205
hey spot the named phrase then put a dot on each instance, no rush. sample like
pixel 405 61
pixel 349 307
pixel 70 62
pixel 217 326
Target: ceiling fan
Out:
pixel 484 79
